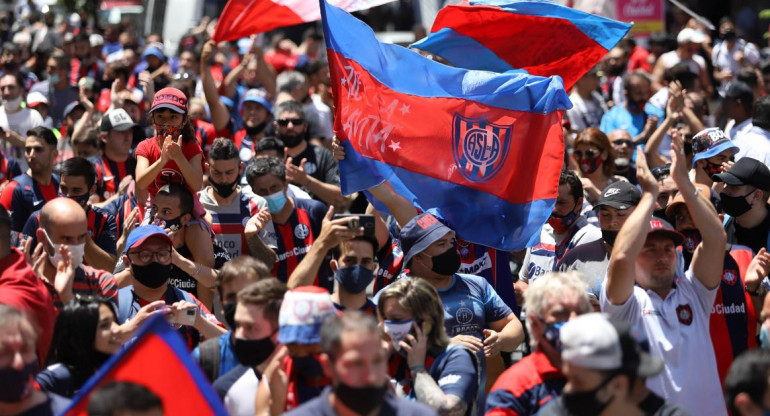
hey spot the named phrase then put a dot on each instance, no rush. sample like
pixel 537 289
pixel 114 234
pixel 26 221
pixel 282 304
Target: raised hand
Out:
pixel 644 177
pixel 296 174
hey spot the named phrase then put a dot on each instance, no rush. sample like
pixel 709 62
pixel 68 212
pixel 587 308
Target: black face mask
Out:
pixel 290 140
pixel 153 275
pixel 224 189
pixel 609 236
pixel 730 35
pixel 228 310
pixel 11 66
pixel 308 366
pixel 16 384
pixel 361 400
pixel 735 206
pixel 253 131
pixel 446 263
pixel 585 403
pixel 81 199
pixel 172 224
pixel 253 352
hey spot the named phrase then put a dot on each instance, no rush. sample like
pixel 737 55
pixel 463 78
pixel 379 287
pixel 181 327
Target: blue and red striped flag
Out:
pixel 160 361
pixel 484 149
pixel 540 37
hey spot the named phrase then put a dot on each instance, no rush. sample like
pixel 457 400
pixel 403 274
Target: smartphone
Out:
pixel 366 221
pixel 184 317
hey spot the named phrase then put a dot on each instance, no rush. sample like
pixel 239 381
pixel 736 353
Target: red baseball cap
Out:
pixel 170 98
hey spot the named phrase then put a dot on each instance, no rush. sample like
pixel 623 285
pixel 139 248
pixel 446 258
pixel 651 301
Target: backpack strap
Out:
pixel 125 301
pixel 210 358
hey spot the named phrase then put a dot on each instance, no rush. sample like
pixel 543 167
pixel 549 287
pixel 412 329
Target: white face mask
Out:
pixel 77 251
pixel 12 105
pixel 397 330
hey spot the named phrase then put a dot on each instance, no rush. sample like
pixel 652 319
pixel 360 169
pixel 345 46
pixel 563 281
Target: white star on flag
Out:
pixel 404 109
pixel 394 145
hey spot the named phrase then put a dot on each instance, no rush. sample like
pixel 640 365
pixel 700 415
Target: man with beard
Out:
pixel 631 116
pixel 623 146
pixel 294 84
pixel 616 203
pixel 616 65
pixel 254 343
pixel 309 166
pixel 689 43
pixel 28 192
pixel 230 210
pixel 116 165
pixel 641 288
pixel 77 183
pixel 733 320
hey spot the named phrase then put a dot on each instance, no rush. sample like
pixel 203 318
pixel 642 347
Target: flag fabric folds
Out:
pixel 484 149
pixel 159 360
pixel 242 18
pixel 540 37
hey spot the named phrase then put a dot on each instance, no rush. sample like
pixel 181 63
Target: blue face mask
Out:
pixel 551 334
pixel 55 78
pixel 764 337
pixel 276 202
pixel 354 279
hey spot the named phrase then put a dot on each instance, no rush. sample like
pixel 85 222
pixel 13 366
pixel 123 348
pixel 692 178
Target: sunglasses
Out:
pixel 660 171
pixel 623 142
pixel 588 153
pixel 285 122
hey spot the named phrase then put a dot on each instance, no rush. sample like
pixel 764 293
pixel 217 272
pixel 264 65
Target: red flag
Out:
pixel 242 18
pixel 160 361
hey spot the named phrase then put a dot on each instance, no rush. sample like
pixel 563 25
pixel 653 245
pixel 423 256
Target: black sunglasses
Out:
pixel 285 122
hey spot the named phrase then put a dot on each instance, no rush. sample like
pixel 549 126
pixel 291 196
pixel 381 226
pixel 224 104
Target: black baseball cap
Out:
pixel 746 171
pixel 739 90
pixel 662 227
pixel 619 195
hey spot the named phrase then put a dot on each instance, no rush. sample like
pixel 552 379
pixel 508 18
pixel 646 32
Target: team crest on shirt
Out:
pixel 730 276
pixel 463 314
pixel 479 147
pixel 310 168
pixel 684 314
pixel 301 231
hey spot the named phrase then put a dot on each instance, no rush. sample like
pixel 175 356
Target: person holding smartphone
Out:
pixel 148 257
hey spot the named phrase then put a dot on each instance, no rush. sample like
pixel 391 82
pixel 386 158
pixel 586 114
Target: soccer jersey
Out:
pixel 120 208
pixel 389 258
pixel 229 221
pixel 9 168
pixel 526 387
pixel 493 265
pixel 294 239
pixel 90 282
pixel 181 280
pixel 110 173
pixel 23 195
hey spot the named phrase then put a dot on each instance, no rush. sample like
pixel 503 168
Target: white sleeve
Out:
pixel 524 270
pixel 705 296
pixel 630 311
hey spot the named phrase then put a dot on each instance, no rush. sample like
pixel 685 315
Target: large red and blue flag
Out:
pixel 484 149
pixel 159 360
pixel 540 37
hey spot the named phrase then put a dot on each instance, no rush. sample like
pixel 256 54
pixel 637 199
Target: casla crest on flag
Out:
pixel 242 18
pixel 483 149
pixel 538 36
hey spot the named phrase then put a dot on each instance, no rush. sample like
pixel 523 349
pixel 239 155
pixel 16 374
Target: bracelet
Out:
pixel 417 368
pixel 197 269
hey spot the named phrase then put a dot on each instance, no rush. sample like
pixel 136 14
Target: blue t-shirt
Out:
pixel 470 303
pixel 620 118
pixel 456 372
pixel 227 360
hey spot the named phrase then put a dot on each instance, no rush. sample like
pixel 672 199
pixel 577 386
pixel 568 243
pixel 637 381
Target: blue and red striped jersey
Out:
pixel 9 168
pixel 23 195
pixel 294 239
pixel 109 174
pixel 491 264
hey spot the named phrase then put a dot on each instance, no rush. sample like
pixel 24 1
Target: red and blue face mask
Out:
pixel 561 223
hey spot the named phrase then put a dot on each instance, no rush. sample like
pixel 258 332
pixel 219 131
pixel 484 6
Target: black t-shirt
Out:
pixel 320 164
pixel 184 281
pixel 755 238
pixel 55 405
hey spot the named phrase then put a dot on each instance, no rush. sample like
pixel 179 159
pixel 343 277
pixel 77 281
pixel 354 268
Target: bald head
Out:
pixel 619 134
pixel 59 213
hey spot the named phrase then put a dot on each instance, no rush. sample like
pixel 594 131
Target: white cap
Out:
pixel 690 35
pixel 96 40
pixel 36 97
pixel 595 342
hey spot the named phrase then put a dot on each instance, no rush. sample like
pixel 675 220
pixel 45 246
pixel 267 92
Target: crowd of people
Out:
pixel 204 188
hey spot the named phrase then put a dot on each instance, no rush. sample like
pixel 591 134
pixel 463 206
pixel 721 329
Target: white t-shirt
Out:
pixel 240 399
pixel 20 122
pixel 678 331
pixel 722 58
pixel 585 113
pixel 753 143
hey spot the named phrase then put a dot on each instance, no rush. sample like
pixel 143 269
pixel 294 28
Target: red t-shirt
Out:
pixel 150 150
pixel 20 288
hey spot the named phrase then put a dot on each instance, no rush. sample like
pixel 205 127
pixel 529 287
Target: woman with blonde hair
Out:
pixel 595 159
pixel 412 317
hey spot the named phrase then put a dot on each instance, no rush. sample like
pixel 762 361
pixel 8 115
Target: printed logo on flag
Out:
pixel 479 147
